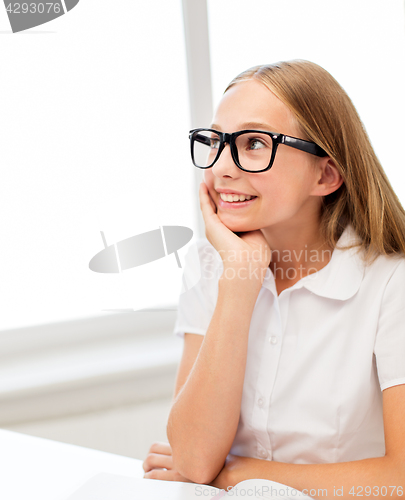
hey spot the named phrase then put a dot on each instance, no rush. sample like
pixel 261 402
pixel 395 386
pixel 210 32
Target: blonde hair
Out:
pixel 328 117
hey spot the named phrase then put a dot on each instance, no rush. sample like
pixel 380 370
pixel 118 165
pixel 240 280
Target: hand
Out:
pixel 249 247
pixel 224 479
pixel 159 464
pixel 237 469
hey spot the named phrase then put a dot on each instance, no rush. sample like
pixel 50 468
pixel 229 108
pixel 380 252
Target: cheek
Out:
pixel 281 199
pixel 209 181
pixel 291 184
pixel 208 178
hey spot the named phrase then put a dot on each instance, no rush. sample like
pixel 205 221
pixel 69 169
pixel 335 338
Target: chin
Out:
pixel 237 226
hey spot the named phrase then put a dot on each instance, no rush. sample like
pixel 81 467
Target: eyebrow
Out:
pixel 250 125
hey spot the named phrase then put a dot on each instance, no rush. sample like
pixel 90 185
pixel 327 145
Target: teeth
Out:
pixel 235 197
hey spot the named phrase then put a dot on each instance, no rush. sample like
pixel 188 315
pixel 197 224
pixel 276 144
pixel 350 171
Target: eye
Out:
pixel 214 143
pixel 256 144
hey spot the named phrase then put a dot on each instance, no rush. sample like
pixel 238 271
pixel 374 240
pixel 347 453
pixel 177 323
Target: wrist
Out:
pixel 247 274
pixel 242 291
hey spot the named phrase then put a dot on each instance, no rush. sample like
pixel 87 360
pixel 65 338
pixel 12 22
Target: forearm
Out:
pixel 205 414
pixel 373 477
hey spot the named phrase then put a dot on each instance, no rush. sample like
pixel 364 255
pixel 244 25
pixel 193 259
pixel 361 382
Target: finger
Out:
pixel 165 475
pixel 207 204
pixel 161 447
pixel 155 460
pixel 209 214
pixel 212 202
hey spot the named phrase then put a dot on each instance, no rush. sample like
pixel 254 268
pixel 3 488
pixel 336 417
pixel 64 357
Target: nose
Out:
pixel 225 166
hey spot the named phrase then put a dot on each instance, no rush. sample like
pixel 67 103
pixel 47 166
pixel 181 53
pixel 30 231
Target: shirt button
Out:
pixel 263 453
pixel 273 339
pixel 260 402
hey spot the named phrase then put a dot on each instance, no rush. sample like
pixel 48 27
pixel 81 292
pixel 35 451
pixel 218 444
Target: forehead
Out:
pixel 252 102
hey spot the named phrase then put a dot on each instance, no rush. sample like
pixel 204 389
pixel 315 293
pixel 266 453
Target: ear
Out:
pixel 329 178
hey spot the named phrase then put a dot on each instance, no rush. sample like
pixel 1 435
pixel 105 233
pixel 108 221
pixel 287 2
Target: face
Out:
pixel 284 195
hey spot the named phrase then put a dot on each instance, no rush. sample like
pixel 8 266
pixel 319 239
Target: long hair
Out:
pixel 327 116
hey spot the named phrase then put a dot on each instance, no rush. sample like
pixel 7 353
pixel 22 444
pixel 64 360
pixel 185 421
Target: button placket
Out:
pixel 265 383
pixel 275 342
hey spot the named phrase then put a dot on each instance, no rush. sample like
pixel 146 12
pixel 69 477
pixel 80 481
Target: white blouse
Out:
pixel 319 355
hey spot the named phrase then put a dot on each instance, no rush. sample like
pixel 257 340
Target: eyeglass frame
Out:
pixel 225 138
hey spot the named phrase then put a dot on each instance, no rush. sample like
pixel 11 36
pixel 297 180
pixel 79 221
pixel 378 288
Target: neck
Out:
pixel 296 251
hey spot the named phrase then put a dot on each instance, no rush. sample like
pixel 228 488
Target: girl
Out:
pixel 293 366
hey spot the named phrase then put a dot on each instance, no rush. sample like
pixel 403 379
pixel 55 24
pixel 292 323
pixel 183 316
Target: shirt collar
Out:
pixel 340 279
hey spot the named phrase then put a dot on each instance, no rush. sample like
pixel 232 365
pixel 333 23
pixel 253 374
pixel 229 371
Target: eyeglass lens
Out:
pixel 254 149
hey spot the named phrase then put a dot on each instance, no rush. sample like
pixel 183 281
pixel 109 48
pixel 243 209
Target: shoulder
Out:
pixel 205 248
pixel 349 275
pixel 203 267
pixel 208 258
pixel 378 270
pixel 383 282
pixel 388 269
pixel 392 268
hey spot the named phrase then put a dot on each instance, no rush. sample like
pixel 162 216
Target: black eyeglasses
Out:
pixel 251 150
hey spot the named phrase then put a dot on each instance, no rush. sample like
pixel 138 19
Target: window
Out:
pixel 94 137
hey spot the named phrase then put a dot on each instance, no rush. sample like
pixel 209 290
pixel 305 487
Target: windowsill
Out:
pixel 87 364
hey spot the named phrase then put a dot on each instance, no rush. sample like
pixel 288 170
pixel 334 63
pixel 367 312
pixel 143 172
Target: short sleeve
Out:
pixel 389 347
pixel 202 269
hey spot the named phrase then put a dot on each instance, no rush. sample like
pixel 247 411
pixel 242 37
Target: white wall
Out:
pixel 105 382
pixel 361 43
pixel 124 430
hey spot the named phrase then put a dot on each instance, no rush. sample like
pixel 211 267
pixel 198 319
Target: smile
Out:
pixel 242 201
pixel 230 198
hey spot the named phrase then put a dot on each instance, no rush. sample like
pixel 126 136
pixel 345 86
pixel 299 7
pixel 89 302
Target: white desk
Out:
pixel 33 468
pixel 39 469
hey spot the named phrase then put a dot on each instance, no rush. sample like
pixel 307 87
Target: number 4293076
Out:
pixel 34 8
pixel 376 491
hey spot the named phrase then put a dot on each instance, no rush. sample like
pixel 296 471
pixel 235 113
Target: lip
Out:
pixel 230 191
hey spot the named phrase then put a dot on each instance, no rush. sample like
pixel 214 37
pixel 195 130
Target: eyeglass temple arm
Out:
pixel 201 138
pixel 308 147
